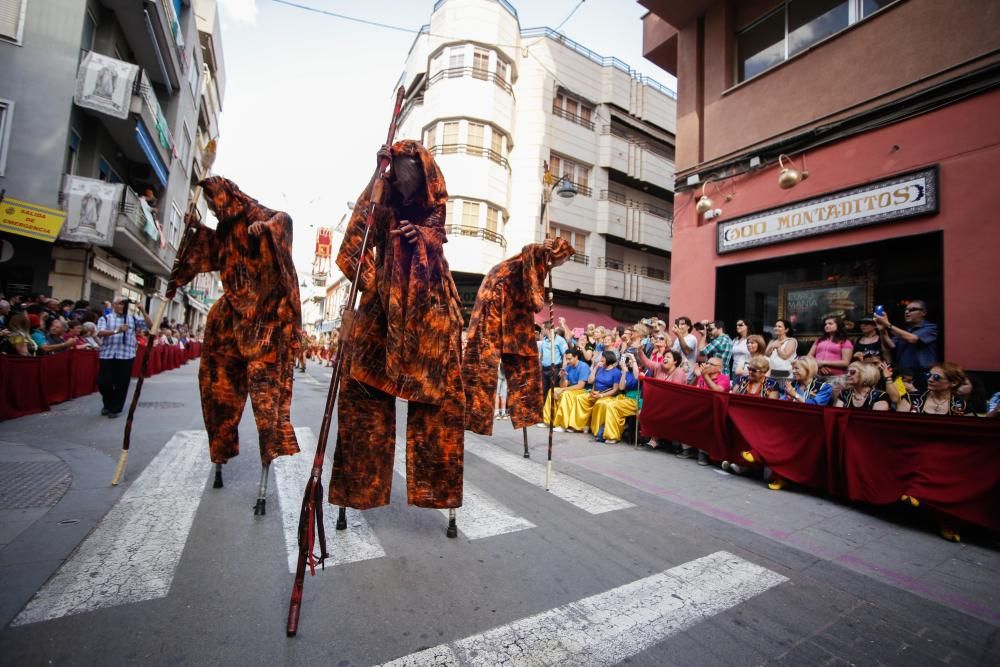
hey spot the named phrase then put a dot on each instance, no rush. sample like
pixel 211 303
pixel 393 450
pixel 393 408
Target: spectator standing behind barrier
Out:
pixel 88 336
pixel 685 342
pixel 805 387
pixel 18 339
pixel 709 376
pixel 741 349
pixel 915 346
pixel 869 343
pixel 545 354
pixel 118 346
pixel 941 397
pixel 718 344
pixel 832 351
pixel 781 351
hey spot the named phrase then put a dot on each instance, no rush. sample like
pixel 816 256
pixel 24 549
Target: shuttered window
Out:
pixel 12 19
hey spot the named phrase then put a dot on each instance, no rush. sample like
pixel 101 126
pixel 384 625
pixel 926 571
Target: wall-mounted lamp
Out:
pixel 789 177
pixel 704 202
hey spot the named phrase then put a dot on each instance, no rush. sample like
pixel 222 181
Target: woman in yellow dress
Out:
pixel 576 408
pixel 607 420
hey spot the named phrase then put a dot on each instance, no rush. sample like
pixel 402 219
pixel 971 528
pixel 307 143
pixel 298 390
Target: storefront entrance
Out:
pixel 846 282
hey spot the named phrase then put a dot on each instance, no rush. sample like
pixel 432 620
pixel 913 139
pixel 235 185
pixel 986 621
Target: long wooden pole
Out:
pixel 311 514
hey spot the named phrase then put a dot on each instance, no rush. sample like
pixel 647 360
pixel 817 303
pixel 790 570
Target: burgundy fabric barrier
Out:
pixel 33 384
pixel 951 464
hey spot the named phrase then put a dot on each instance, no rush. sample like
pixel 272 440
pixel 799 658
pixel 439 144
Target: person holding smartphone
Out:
pixel 607 420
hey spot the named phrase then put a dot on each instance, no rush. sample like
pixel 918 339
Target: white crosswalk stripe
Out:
pixel 585 496
pixel 132 554
pixel 480 515
pixel 291 473
pixel 610 627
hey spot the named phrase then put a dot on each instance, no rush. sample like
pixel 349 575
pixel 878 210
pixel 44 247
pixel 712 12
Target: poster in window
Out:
pixel 806 305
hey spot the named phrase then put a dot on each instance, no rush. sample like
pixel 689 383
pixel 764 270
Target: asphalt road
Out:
pixel 632 557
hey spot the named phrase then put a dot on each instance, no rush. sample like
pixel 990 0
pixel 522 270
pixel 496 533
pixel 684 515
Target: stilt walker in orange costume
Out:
pixel 502 329
pixel 253 332
pixel 406 343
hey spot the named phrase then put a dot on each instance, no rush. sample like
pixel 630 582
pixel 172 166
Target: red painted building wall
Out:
pixel 963 139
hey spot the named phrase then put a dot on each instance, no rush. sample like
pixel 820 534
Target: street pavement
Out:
pixel 633 557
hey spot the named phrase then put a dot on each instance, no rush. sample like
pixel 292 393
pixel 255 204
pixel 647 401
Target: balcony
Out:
pixel 483 95
pixel 473 249
pixel 154 36
pixel 474 169
pixel 132 240
pixel 143 135
pixel 576 274
pixel 640 160
pixel 616 279
pixel 641 223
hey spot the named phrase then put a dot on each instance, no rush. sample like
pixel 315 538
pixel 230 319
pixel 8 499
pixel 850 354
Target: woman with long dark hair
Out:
pixel 781 351
pixel 741 350
pixel 832 351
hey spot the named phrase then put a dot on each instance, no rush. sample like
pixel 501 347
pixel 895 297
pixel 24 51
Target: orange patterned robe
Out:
pixel 502 330
pixel 406 343
pixel 252 332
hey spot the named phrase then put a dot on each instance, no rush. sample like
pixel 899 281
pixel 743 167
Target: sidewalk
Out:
pixel 892 545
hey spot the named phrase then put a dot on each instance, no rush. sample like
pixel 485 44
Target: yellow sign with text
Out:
pixel 31 220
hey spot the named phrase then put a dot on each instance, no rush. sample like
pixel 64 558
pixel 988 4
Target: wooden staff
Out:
pixel 311 515
pixel 189 228
pixel 552 378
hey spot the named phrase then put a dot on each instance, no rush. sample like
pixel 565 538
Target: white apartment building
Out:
pixel 495 104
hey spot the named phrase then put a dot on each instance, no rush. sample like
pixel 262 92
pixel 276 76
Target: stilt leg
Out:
pixel 524 432
pixel 342 519
pixel 218 476
pixel 452 526
pixel 260 507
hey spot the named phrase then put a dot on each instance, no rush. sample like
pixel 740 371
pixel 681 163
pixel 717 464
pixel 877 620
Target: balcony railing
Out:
pixel 609 263
pixel 651 146
pixel 579 120
pixel 503 3
pixel 477 232
pixel 621 198
pixel 144 89
pixel 635 269
pixel 474 72
pixel 468 149
pixel 580 258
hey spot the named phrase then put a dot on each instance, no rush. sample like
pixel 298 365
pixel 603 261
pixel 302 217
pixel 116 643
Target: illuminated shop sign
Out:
pixel 915 193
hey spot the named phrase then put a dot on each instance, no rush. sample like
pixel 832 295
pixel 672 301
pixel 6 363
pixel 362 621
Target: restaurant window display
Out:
pixel 846 282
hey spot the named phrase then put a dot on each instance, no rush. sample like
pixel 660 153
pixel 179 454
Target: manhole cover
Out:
pixel 160 405
pixel 27 484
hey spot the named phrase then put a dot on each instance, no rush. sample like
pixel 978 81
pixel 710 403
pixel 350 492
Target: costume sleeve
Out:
pixel 199 253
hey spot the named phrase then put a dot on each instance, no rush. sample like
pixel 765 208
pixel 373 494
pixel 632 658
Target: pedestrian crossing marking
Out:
pixel 291 473
pixel 133 553
pixel 585 496
pixel 610 627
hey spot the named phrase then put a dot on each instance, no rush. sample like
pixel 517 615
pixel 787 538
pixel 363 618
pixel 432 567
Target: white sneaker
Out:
pixel 541 425
pixel 559 429
pixel 610 442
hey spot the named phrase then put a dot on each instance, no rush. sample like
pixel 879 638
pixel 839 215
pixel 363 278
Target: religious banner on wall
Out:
pixel 91 210
pixel 324 241
pixel 904 196
pixel 32 220
pixel 105 84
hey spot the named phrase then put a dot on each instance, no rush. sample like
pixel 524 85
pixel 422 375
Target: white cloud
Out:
pixel 244 11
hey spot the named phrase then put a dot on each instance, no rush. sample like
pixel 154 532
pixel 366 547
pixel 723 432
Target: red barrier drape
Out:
pixel 33 384
pixel 951 464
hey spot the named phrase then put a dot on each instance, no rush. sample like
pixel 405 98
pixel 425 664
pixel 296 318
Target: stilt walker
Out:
pixel 311 515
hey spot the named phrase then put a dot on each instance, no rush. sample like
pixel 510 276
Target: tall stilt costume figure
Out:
pixel 502 329
pixel 406 344
pixel 253 332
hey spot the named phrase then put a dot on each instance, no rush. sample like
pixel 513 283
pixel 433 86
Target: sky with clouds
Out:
pixel 308 96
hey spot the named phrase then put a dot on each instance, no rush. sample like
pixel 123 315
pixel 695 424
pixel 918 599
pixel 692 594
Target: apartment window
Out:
pixel 573 109
pixel 502 70
pixel 496 143
pixel 476 131
pixel 449 212
pixel 657 273
pixel 89 31
pixel 470 214
pixel 450 143
pixel 578 173
pixel 431 139
pixel 492 219
pixel 106 172
pixel 6 120
pixel 576 239
pixel 12 19
pixel 186 141
pixel 480 63
pixel 194 75
pixel 72 153
pixel 456 60
pixel 174 226
pixel 794 27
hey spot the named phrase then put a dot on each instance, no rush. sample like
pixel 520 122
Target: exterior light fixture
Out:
pixel 566 188
pixel 789 177
pixel 704 202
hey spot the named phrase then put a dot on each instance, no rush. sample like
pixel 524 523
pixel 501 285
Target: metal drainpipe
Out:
pixel 159 54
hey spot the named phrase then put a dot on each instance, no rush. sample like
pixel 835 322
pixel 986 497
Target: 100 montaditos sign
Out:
pixel 896 198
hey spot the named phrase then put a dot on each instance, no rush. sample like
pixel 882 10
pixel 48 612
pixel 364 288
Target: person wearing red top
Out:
pixel 832 351
pixel 707 375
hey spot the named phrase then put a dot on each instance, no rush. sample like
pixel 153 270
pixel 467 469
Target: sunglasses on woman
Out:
pixel 935 377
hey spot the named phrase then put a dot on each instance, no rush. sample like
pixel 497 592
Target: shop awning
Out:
pixel 146 143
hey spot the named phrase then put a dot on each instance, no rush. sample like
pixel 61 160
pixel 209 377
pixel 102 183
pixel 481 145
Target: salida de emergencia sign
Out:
pixel 882 201
pixel 31 220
